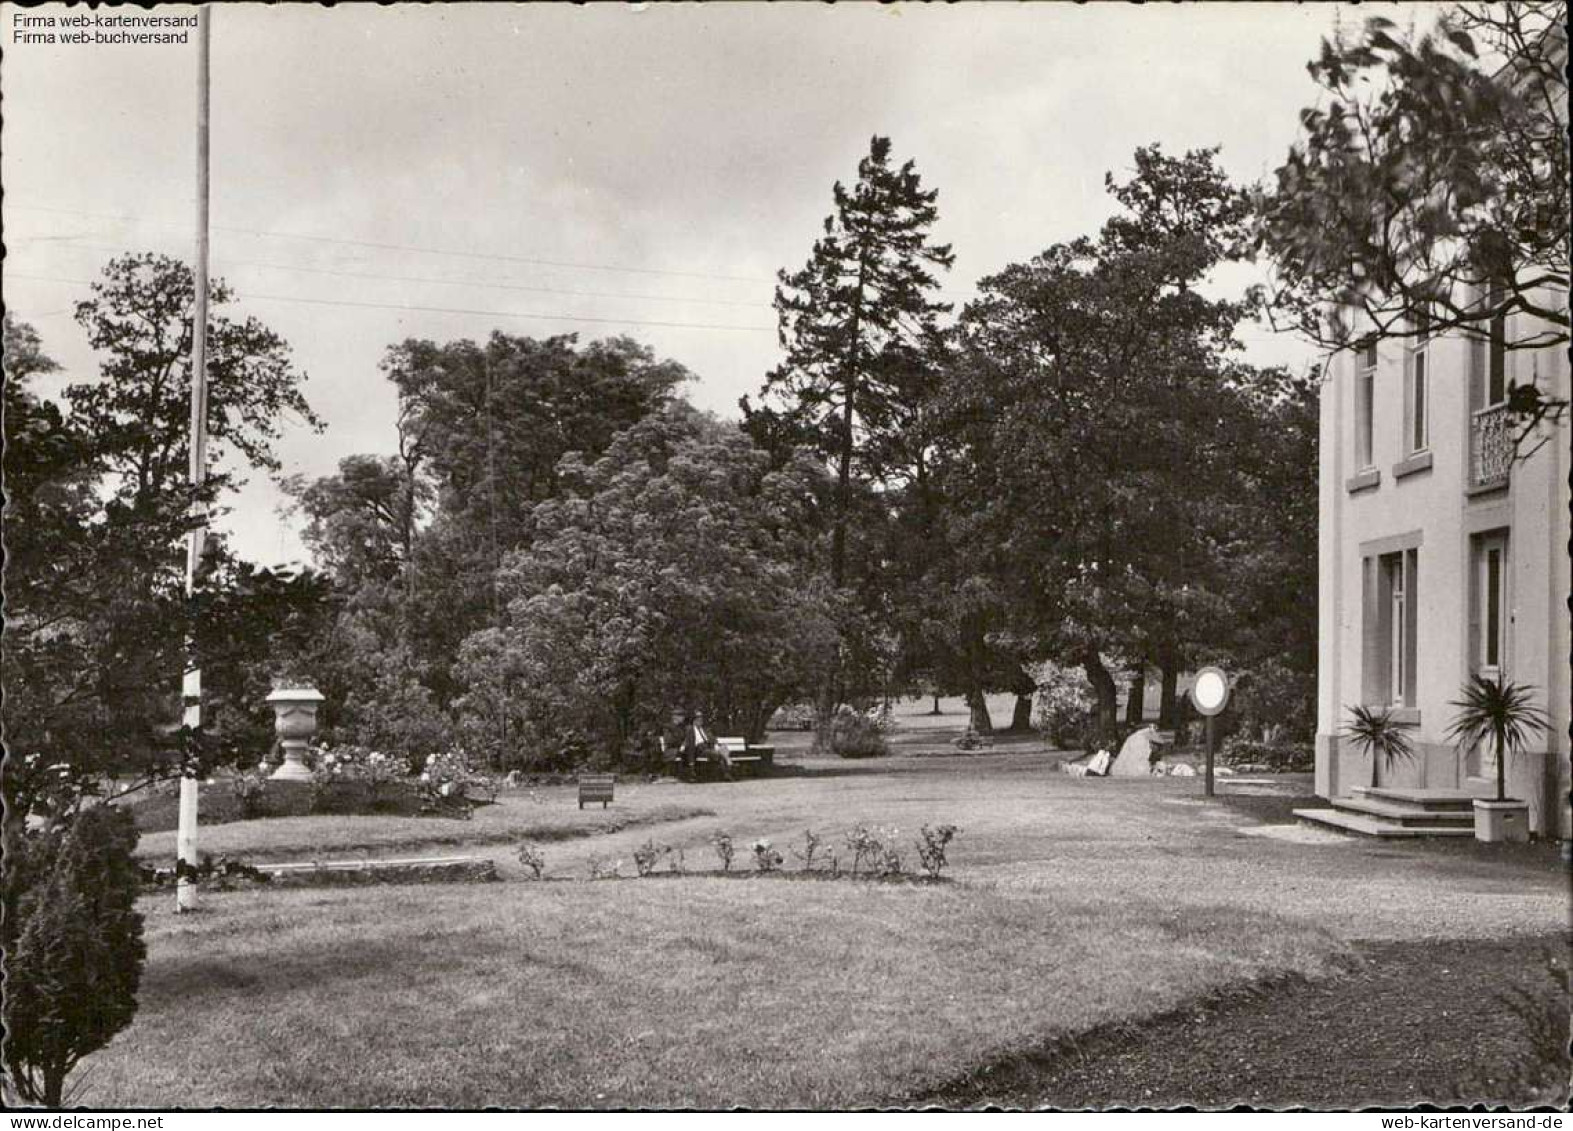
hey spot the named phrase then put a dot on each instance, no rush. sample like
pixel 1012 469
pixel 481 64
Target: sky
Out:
pixel 444 171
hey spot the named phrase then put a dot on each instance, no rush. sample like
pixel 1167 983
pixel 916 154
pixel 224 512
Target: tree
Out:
pixel 856 323
pixel 1088 406
pixel 73 947
pixel 1498 712
pixel 85 629
pixel 482 430
pixel 665 575
pixel 361 523
pixel 1430 191
pixel 138 411
pixel 97 509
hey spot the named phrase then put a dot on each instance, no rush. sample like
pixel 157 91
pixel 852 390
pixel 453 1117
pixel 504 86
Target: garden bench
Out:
pixel 741 754
pixel 596 787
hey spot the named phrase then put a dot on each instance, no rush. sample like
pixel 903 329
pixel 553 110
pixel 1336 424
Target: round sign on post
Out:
pixel 1210 691
pixel 1209 695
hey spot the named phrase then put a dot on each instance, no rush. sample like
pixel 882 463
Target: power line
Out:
pixel 450 282
pixel 409 247
pixel 253 296
pixel 125 217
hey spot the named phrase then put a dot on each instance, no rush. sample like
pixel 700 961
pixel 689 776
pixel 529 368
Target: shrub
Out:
pixel 250 790
pixel 73 945
pixel 722 843
pixel 447 780
pixel 932 844
pixel 601 869
pixel 812 843
pixel 1064 704
pixel 766 858
pixel 854 734
pixel 341 772
pixel 1276 703
pixel 1278 757
pixel 1096 736
pixel 648 855
pixel 222 873
pixel 532 858
pixel 874 849
pixel 794 716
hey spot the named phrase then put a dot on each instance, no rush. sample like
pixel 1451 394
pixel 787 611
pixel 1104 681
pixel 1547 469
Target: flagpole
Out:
pixel 191 685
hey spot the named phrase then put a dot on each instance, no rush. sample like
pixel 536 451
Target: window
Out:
pixel 1417 432
pixel 1489 622
pixel 1489 605
pixel 1398 624
pixel 1365 393
pixel 1496 368
pixel 1391 628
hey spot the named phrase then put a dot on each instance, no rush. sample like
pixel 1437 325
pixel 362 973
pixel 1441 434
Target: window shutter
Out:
pixel 1407 420
pixel 1411 566
pixel 1474 640
pixel 1477 373
pixel 1371 622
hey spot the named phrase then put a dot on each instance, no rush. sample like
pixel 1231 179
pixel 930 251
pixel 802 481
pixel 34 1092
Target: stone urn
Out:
pixel 294 721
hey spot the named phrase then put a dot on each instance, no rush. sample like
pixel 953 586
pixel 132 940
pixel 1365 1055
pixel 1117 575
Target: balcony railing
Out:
pixel 1490 447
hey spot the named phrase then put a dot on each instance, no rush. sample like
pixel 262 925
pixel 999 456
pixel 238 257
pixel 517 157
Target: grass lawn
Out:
pixel 1076 904
pixel 514 817
pixel 676 992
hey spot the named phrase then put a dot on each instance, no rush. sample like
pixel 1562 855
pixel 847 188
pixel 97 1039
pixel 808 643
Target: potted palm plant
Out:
pixel 1503 714
pixel 1379 737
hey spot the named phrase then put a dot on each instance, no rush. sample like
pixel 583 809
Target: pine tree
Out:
pixel 858 326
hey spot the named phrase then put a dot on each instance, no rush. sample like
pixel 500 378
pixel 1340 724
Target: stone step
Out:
pixel 1405 814
pixel 1435 800
pixel 1375 826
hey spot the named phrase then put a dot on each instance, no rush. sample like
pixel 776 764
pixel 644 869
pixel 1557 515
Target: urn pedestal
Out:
pixel 294 721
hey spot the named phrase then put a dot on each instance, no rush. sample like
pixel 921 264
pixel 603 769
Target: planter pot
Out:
pixel 294 721
pixel 1501 821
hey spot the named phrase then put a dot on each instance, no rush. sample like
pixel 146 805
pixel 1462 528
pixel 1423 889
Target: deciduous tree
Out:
pixel 1429 189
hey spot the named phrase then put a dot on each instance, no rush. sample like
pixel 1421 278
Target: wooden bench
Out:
pixel 741 754
pixel 596 787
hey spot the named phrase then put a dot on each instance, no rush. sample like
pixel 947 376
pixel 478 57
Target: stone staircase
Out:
pixel 1392 812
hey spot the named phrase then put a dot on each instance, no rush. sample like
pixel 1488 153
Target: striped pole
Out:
pixel 191 685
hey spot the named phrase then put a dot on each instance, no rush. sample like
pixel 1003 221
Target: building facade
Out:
pixel 1440 557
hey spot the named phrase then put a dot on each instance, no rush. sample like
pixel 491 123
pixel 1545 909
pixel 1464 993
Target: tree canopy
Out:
pixel 1429 191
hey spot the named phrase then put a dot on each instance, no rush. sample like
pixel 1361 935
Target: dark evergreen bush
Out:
pixel 73 947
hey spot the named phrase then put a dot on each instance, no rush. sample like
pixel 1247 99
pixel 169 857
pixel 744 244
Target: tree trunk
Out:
pixel 1135 700
pixel 1501 738
pixel 1169 705
pixel 54 1086
pixel 1103 688
pixel 824 714
pixel 978 707
pixel 936 710
pixel 1021 714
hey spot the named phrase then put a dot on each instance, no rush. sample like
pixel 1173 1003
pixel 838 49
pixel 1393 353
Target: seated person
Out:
pixel 698 741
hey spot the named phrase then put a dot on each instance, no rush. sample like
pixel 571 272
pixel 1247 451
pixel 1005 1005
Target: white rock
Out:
pixel 1135 760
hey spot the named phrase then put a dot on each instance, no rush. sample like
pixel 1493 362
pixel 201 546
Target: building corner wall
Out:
pixel 1329 608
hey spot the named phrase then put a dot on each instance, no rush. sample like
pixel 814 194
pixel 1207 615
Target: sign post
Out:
pixel 1210 695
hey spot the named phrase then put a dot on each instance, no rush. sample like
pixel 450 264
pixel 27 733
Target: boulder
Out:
pixel 1135 760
